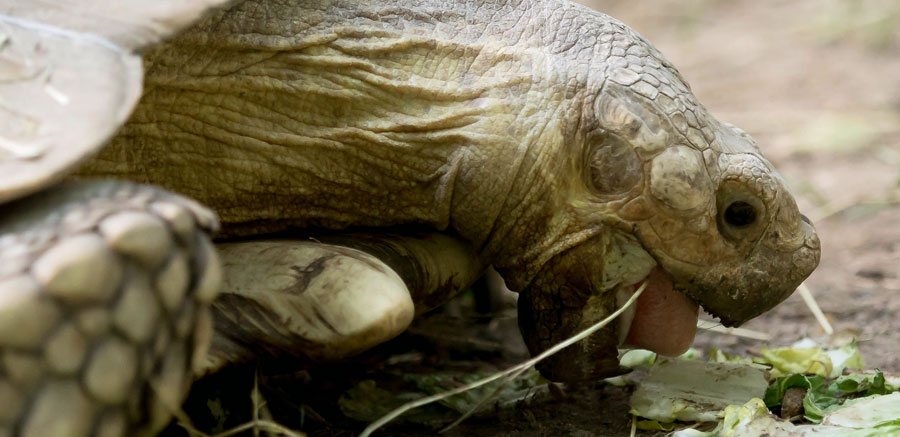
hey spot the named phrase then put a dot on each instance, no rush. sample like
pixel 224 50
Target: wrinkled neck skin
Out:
pixel 337 114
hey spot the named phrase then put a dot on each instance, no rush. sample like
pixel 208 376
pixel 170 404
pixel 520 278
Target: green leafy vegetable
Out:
pixel 822 398
pixel 855 405
pixel 869 384
pixel 799 360
pixel 679 389
pixel 846 356
pixel 733 416
pixel 872 411
pixel 807 357
pixel 637 358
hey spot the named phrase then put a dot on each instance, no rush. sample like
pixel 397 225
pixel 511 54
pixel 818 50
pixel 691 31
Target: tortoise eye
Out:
pixel 613 165
pixel 740 214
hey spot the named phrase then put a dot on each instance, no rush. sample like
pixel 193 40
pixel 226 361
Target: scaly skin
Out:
pixel 553 138
pixel 105 290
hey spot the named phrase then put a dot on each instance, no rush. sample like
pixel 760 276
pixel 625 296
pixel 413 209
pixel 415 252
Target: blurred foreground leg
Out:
pixel 104 293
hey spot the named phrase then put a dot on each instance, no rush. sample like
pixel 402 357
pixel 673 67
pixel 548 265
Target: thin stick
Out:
pixel 254 399
pixel 517 368
pixel 709 325
pixel 633 426
pixel 814 308
pixel 269 426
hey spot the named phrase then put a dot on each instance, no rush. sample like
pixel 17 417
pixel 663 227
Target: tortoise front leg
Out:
pixel 104 293
pixel 332 297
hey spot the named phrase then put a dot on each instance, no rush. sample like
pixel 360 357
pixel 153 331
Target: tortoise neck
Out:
pixel 281 115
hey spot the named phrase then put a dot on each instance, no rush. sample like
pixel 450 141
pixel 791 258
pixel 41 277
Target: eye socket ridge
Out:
pixel 613 166
pixel 741 214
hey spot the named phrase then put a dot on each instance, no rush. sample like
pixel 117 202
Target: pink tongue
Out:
pixel 665 320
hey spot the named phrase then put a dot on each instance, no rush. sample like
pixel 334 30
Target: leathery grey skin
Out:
pixel 331 297
pixel 554 139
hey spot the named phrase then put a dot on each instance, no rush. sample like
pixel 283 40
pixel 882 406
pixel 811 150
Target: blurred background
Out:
pixel 817 83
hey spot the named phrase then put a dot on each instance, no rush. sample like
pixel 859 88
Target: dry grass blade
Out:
pixel 262 425
pixel 517 369
pixel 814 308
pixel 709 325
pixel 254 399
pixel 255 425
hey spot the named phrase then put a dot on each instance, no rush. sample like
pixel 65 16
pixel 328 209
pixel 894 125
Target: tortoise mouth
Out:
pixel 663 320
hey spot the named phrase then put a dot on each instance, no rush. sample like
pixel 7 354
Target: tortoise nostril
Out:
pixel 805 219
pixel 740 214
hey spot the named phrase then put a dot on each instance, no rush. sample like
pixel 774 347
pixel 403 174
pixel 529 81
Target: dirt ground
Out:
pixel 817 83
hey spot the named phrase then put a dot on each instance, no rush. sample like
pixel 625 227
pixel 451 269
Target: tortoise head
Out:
pixel 700 198
pixel 658 191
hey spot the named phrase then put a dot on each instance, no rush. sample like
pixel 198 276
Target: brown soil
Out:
pixel 818 84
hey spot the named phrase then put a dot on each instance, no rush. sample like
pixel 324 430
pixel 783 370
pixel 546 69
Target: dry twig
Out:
pixel 709 325
pixel 814 308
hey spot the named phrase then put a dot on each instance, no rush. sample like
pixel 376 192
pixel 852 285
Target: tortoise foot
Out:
pixel 104 308
pixel 317 302
pixel 331 297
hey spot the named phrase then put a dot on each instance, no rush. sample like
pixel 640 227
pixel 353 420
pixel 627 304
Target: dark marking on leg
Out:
pixel 303 276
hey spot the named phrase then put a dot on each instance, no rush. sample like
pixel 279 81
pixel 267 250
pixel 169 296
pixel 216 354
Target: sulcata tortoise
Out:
pixel 367 160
